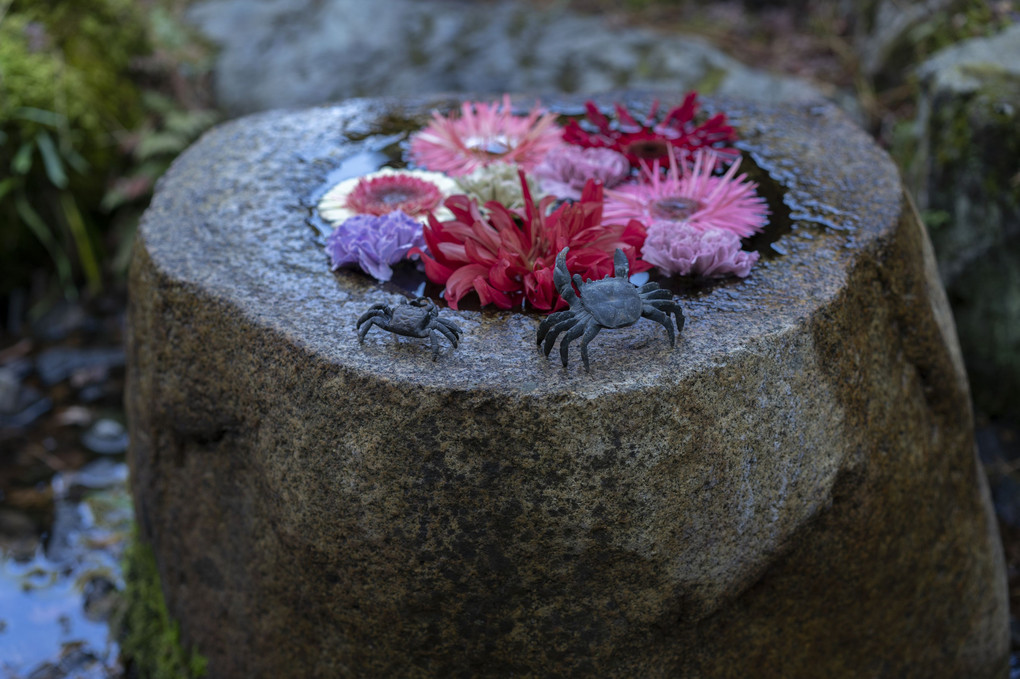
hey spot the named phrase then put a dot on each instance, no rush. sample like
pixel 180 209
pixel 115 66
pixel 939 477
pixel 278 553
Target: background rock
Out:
pixel 287 53
pixel 967 180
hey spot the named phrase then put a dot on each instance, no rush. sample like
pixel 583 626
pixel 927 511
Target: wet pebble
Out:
pixel 57 364
pixel 101 598
pixel 18 535
pixel 93 393
pixel 75 661
pixel 10 391
pixel 61 320
pixel 98 474
pixel 1006 498
pixel 106 437
pixel 20 405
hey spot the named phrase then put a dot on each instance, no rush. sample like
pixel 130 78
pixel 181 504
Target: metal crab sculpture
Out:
pixel 415 318
pixel 612 302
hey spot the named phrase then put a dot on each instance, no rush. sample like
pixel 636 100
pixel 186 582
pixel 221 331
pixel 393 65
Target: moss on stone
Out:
pixel 966 172
pixel 150 637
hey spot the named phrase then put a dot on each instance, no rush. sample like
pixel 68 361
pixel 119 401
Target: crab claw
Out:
pixel 561 278
pixel 620 264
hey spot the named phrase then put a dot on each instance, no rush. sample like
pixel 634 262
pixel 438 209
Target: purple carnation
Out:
pixel 714 253
pixel 566 168
pixel 374 243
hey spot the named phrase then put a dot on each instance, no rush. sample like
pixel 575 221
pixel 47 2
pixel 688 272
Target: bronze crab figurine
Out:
pixel 415 318
pixel 612 302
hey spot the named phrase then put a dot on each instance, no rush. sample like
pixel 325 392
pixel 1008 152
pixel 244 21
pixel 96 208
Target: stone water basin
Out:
pixel 791 491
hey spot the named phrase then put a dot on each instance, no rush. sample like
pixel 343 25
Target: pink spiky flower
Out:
pixel 507 256
pixel 484 134
pixel 689 198
pixel 648 141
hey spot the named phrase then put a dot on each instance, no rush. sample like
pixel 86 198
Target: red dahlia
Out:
pixel 649 141
pixel 507 256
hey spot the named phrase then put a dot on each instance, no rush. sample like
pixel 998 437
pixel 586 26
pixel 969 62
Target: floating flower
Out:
pixel 374 242
pixel 499 183
pixel 690 196
pixel 508 256
pixel 413 192
pixel 484 134
pixel 566 168
pixel 688 200
pixel 650 140
pixel 714 254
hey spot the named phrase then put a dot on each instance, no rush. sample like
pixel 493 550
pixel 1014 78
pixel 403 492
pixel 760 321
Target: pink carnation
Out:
pixel 714 254
pixel 566 168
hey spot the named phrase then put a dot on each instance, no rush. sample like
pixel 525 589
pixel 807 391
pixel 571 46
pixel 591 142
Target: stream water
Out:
pixel 65 510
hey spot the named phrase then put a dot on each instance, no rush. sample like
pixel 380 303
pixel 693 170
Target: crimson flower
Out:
pixel 507 256
pixel 650 140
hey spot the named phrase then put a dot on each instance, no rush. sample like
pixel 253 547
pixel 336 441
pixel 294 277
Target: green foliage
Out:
pixel 150 638
pixel 76 81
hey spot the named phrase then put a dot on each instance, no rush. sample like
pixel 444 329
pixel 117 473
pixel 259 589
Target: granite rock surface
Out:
pixel 792 491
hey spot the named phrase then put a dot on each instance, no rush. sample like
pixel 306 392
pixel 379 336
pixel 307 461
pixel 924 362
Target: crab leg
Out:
pixel 449 325
pixel 373 311
pixel 550 339
pixel 448 333
pixel 548 322
pixel 368 323
pixel 571 335
pixel 434 341
pixel 659 294
pixel 668 307
pixel 589 334
pixel 663 319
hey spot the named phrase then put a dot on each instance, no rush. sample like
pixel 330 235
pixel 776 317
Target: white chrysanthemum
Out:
pixel 500 183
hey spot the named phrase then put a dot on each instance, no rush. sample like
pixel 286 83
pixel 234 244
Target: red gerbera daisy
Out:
pixel 650 140
pixel 508 256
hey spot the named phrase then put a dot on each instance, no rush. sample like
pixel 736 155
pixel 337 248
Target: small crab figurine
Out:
pixel 612 302
pixel 415 318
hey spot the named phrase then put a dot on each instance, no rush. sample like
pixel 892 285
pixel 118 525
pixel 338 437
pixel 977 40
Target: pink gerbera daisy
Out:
pixel 484 134
pixel 689 195
pixel 680 207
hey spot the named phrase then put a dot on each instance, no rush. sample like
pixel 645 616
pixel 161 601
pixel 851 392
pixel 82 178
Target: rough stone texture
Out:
pixel 791 492
pixel 967 179
pixel 285 53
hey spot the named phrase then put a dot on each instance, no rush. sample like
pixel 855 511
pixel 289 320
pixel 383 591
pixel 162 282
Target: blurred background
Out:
pixel 97 97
